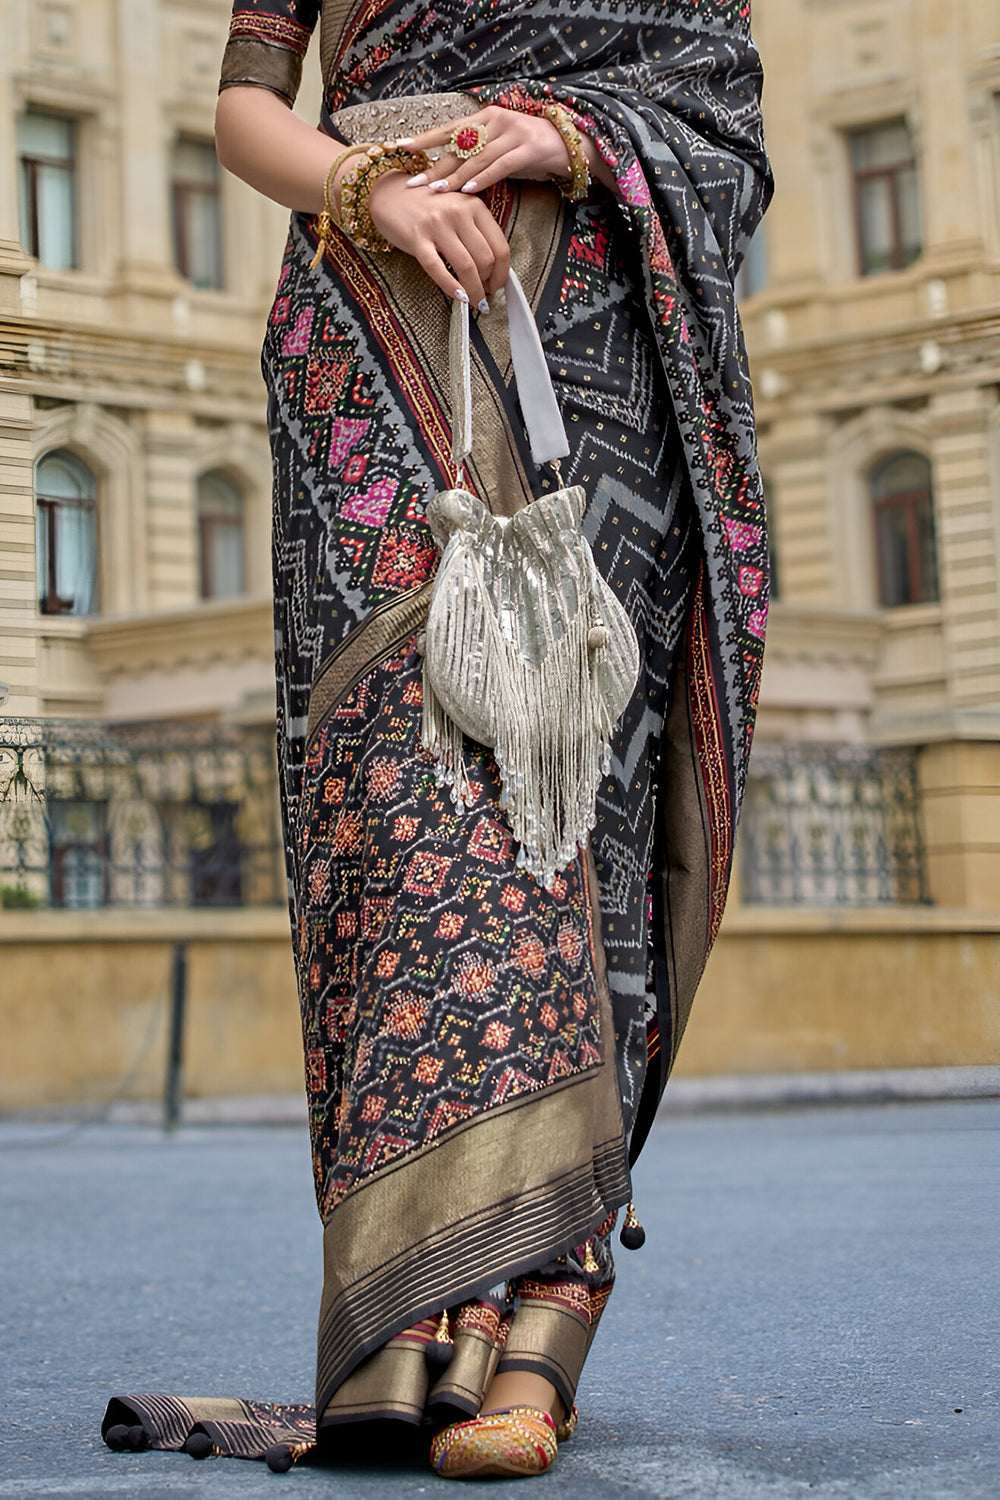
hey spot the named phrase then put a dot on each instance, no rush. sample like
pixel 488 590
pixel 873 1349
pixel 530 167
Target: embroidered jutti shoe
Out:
pixel 517 1443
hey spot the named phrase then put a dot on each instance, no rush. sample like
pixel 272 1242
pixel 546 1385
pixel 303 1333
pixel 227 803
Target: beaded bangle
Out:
pixel 577 184
pixel 356 188
pixel 330 214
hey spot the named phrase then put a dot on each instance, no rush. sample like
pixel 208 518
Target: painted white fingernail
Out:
pixel 405 140
pixel 484 306
pixel 461 294
pixel 441 186
pixel 470 187
pixel 417 181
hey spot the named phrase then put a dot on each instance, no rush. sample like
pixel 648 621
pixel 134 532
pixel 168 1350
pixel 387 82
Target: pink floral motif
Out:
pixel 750 579
pixel 633 185
pixel 372 506
pixel 757 622
pixel 297 337
pixel 345 433
pixel 742 535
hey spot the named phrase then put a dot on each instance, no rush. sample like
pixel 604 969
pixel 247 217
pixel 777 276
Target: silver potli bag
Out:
pixel 527 650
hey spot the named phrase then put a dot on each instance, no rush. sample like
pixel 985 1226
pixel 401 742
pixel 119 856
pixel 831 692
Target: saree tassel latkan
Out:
pixel 632 1235
pixel 439 1349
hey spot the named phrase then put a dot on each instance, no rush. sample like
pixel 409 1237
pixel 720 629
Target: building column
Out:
pixel 960 796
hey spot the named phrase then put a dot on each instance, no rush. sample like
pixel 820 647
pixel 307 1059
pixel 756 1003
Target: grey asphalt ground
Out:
pixel 815 1312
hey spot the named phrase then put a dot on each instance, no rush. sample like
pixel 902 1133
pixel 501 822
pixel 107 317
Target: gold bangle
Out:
pixel 576 184
pixel 330 212
pixel 356 190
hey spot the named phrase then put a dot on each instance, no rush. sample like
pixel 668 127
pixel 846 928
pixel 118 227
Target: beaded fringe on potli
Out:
pixel 551 729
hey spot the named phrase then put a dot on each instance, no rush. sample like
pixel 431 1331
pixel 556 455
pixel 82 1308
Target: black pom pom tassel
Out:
pixel 136 1438
pixel 280 1456
pixel 199 1445
pixel 117 1437
pixel 439 1350
pixel 632 1236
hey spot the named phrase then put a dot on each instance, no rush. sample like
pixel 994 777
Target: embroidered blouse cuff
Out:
pixel 265 50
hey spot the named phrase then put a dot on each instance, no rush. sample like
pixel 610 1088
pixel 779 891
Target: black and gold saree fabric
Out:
pixel 484 1057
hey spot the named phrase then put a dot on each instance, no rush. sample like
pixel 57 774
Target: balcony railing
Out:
pixel 832 826
pixel 166 814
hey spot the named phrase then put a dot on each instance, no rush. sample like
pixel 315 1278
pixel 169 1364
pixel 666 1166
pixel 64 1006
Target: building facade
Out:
pixel 134 536
pixel 874 330
pixel 134 279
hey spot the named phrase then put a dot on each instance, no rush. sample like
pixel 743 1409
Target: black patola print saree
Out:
pixel 484 1056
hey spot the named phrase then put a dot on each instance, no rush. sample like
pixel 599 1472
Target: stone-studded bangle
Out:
pixel 576 184
pixel 356 188
pixel 330 213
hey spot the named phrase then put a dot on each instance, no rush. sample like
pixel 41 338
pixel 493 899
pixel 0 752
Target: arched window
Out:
pixel 903 502
pixel 65 535
pixel 220 537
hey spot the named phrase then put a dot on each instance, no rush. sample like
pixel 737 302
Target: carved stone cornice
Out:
pixel 220 630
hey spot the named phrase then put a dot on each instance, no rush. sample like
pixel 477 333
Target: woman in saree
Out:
pixel 485 1052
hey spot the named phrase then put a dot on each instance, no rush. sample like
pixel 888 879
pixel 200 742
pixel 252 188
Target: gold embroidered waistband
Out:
pixel 387 119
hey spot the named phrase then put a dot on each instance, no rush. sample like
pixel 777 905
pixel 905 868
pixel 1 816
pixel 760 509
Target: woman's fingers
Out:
pixel 427 256
pixel 441 134
pixel 499 249
pixel 456 250
pixel 478 174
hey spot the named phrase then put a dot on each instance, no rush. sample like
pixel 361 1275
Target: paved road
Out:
pixel 815 1313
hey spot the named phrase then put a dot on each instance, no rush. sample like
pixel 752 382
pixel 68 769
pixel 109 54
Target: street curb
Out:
pixel 683 1096
pixel 876 1086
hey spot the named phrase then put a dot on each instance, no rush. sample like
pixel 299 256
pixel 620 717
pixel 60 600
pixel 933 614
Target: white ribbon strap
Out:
pixel 539 408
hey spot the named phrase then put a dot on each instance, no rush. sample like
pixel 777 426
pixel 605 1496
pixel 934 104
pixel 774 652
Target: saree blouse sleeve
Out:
pixel 267 42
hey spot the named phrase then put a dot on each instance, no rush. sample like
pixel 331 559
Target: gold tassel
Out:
pixel 323 226
pixel 439 1349
pixel 589 1263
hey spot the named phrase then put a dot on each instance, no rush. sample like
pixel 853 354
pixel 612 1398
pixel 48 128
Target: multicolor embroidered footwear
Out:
pixel 566 1428
pixel 516 1443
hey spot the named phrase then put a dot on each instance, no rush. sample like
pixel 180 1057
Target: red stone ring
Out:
pixel 468 140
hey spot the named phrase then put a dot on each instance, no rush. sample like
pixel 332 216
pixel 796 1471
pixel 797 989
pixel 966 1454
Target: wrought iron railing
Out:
pixel 166 814
pixel 176 814
pixel 832 826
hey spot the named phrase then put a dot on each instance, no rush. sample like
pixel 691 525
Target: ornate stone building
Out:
pixel 134 277
pixel 874 328
pixel 134 517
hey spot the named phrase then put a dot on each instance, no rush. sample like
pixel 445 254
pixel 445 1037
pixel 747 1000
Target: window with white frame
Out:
pixel 65 535
pixel 752 275
pixel 906 549
pixel 46 158
pixel 197 212
pixel 220 537
pixel 886 197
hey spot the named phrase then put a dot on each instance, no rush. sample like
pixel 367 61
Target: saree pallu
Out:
pixel 484 1057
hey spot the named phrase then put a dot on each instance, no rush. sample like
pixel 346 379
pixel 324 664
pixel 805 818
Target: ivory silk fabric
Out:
pixel 483 1056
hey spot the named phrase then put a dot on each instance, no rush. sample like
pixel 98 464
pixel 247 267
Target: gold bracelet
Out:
pixel 576 184
pixel 330 213
pixel 356 190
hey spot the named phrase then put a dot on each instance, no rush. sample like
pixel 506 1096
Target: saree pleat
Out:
pixel 484 1057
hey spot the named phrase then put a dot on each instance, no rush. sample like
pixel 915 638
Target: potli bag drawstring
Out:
pixel 526 649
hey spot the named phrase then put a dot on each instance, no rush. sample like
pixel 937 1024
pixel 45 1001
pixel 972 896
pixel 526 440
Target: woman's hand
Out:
pixel 517 145
pixel 457 240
